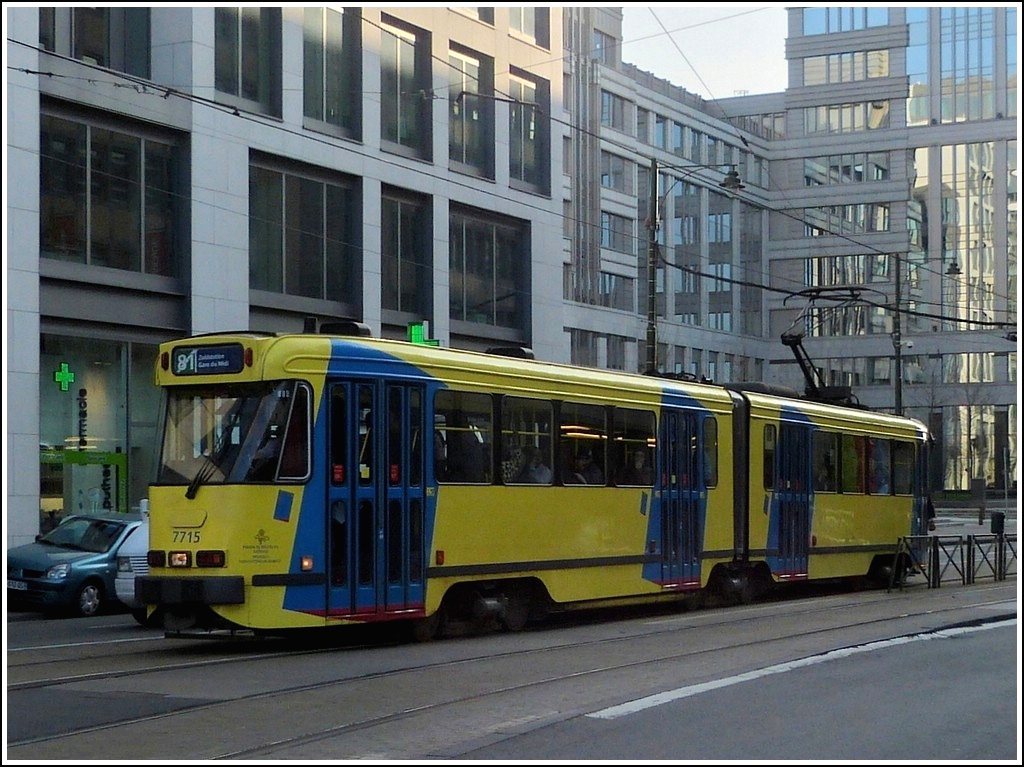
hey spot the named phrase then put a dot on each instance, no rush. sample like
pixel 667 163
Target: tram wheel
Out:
pixel 517 609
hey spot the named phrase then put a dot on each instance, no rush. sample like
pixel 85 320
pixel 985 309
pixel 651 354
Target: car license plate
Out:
pixel 17 585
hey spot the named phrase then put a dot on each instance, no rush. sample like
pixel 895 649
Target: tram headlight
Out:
pixel 179 559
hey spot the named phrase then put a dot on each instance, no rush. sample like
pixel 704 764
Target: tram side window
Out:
pixel 768 464
pixel 854 463
pixel 526 442
pixel 904 458
pixel 295 455
pixel 710 452
pixel 879 466
pixel 632 446
pixel 463 424
pixel 339 435
pixel 282 450
pixel 583 433
pixel 824 457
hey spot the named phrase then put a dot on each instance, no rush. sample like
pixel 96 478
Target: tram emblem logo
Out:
pixel 262 537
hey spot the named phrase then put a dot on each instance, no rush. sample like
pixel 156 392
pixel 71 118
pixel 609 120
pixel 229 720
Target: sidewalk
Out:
pixel 964 521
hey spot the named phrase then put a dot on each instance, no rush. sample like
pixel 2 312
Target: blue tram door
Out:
pixel 792 521
pixel 682 489
pixel 375 499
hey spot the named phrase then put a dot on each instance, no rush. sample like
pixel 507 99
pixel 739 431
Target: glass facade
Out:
pixel 97 430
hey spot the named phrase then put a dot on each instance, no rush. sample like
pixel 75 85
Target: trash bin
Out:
pixel 998 522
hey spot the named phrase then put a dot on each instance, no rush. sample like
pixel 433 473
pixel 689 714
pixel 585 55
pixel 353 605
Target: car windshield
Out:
pixel 85 534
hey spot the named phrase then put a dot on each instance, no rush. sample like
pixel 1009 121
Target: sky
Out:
pixel 714 50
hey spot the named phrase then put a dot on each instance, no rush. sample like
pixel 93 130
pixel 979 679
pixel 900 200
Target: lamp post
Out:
pixel 731 182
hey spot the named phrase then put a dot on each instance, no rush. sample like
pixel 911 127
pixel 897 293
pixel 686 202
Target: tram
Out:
pixel 326 478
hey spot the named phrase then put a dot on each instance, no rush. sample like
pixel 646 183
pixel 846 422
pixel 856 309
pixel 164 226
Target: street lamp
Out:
pixel 731 182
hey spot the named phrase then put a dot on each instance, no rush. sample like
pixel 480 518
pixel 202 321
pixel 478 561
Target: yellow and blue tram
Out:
pixel 311 480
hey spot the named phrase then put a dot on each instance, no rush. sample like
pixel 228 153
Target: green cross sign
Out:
pixel 64 376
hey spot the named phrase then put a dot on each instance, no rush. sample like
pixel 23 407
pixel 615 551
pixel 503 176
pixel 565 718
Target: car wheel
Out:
pixel 89 599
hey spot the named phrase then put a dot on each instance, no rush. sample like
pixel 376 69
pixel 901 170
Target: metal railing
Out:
pixel 961 558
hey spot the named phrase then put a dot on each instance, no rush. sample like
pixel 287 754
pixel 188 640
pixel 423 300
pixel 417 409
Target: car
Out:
pixel 70 569
pixel 131 561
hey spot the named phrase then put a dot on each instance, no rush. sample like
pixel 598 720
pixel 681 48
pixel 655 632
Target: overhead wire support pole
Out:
pixel 897 339
pixel 730 183
pixel 652 271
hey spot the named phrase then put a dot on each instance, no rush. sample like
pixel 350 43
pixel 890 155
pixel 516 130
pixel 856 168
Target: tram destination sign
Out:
pixel 206 360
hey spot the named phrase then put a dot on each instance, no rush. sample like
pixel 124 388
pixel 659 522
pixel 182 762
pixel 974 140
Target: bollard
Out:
pixel 998 522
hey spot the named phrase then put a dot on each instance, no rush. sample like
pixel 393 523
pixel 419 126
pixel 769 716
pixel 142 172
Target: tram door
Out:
pixel 792 489
pixel 682 488
pixel 375 498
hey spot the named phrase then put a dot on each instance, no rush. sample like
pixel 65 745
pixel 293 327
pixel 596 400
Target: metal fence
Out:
pixel 964 559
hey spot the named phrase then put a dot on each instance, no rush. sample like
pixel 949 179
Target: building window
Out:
pixel 332 67
pixel 247 57
pixel 110 383
pixel 846 169
pixel 968 54
pixel 829 20
pixel 406 248
pixel 471 112
pixel 406 93
pixel 484 14
pixel 847 67
pixel 109 198
pixel 616 173
pixel 115 38
pixel 617 233
pixel 303 232
pixel 488 270
pixel 533 23
pixel 616 291
pixel 528 132
pixel 846 118
pixel 613 111
pixel 605 49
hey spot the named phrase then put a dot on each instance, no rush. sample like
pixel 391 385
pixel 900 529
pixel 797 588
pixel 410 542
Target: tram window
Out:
pixel 632 446
pixel 526 442
pixel 394 447
pixel 466 425
pixel 339 543
pixel 853 463
pixel 583 433
pixel 824 457
pixel 366 458
pixel 416 442
pixel 339 435
pixel 295 454
pixel 879 466
pixel 768 458
pixel 710 452
pixel 281 449
pixel 903 467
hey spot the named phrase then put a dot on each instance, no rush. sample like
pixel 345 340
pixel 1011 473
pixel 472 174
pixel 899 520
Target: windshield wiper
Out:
pixel 205 472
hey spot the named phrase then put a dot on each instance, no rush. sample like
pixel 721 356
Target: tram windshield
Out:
pixel 234 434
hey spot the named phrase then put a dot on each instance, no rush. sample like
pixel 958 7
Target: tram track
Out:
pixel 415 684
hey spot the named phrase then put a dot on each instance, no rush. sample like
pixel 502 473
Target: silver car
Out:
pixel 131 561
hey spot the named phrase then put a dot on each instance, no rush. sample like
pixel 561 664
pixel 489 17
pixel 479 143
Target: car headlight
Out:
pixel 58 572
pixel 124 564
